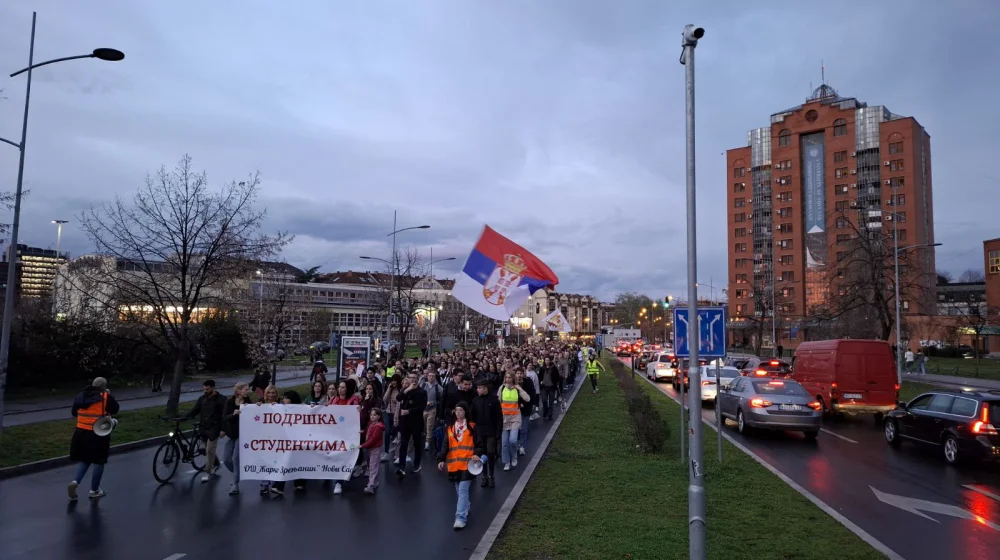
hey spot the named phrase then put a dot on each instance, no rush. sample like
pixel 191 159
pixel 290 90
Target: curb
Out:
pixel 56 462
pixel 150 396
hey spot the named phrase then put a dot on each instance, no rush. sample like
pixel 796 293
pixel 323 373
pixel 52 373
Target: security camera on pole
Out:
pixel 696 484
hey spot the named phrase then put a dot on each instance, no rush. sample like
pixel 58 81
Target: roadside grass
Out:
pixel 985 368
pixel 47 440
pixel 594 495
pixel 913 389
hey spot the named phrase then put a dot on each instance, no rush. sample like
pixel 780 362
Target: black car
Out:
pixel 766 367
pixel 684 365
pixel 958 422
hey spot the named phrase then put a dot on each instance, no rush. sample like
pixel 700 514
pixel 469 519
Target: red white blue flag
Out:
pixel 499 275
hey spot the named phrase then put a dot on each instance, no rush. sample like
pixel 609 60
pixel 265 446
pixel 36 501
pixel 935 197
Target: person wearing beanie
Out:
pixel 87 449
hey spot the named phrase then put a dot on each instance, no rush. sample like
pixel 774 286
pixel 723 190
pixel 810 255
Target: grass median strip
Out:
pixel 596 495
pixel 46 440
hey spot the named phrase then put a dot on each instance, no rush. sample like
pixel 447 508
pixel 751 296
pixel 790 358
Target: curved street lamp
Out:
pixel 111 55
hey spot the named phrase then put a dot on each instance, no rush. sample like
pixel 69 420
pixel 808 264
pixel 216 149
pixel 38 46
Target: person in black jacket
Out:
pixel 231 429
pixel 412 403
pixel 87 448
pixel 526 409
pixel 456 393
pixel 488 417
pixel 548 377
pixel 209 409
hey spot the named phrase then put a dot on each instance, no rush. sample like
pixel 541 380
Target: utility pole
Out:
pixel 696 476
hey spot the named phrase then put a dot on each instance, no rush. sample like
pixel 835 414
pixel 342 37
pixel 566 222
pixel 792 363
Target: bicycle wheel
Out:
pixel 198 452
pixel 165 461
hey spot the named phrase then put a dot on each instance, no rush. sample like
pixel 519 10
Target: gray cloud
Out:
pixel 558 123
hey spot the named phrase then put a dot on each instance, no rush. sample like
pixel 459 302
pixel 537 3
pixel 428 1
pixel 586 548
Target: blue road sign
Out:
pixel 711 331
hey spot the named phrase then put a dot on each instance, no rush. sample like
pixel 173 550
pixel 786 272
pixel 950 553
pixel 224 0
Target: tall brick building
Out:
pixel 991 257
pixel 803 187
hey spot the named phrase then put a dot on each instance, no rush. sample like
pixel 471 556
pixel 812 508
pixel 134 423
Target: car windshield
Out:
pixel 779 388
pixel 664 358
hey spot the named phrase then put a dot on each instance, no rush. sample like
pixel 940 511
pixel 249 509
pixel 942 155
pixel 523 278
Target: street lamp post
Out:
pixel 392 270
pixel 110 55
pixel 899 326
pixel 59 225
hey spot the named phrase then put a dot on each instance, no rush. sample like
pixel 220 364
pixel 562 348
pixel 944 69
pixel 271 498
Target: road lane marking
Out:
pixel 836 435
pixel 981 491
pixel 176 556
pixel 918 507
pixel 850 525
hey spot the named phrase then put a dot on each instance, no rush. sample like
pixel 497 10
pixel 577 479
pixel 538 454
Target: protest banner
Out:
pixel 289 441
pixel 354 351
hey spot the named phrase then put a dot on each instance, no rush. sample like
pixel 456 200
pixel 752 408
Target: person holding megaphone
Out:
pixel 91 443
pixel 460 458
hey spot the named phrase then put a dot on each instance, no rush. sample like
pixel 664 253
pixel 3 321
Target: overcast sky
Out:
pixel 560 122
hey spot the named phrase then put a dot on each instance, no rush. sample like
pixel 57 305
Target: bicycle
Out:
pixel 179 448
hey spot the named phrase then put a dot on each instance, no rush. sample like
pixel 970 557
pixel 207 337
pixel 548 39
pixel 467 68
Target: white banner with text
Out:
pixel 289 441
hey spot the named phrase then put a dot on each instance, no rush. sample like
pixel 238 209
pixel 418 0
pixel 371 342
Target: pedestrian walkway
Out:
pixel 951 380
pixel 21 413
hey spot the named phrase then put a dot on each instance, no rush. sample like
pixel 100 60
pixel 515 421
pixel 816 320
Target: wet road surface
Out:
pixel 851 460
pixel 141 519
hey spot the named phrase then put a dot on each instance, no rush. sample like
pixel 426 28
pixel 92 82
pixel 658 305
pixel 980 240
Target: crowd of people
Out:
pixel 461 408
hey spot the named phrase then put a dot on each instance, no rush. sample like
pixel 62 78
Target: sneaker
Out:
pixel 427 446
pixel 395 462
pixel 264 490
pixel 71 490
pixel 513 461
pixel 300 487
pixel 506 466
pixel 459 524
pixel 234 489
pixel 99 493
pixel 369 490
pixel 534 416
pixel 400 473
pixel 520 451
pixel 409 458
pixel 205 478
pixel 383 458
pixel 338 489
pixel 416 470
pixel 275 490
pixel 493 482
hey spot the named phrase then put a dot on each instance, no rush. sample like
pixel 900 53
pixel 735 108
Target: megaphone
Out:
pixel 104 426
pixel 475 466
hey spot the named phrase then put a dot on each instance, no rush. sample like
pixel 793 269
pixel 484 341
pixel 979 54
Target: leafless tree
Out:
pixel 177 247
pixel 269 315
pixel 862 282
pixel 973 318
pixel 317 325
pixel 972 275
pixel 410 267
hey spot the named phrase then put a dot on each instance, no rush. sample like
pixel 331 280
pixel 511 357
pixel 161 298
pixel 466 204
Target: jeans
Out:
pixel 548 401
pixel 522 435
pixel 95 477
pixel 462 509
pixel 508 446
pixel 231 458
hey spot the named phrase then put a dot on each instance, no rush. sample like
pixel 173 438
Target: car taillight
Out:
pixel 760 372
pixel 895 387
pixel 660 366
pixel 815 405
pixel 984 428
pixel 775 363
pixel 705 383
pixel 776 383
pixel 759 403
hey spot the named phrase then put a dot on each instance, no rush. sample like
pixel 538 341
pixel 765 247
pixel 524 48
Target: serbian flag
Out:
pixel 499 275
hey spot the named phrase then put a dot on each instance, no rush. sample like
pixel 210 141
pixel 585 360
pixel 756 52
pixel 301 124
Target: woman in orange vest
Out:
pixel 458 449
pixel 86 447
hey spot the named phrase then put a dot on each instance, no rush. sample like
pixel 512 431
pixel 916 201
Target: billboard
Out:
pixel 814 198
pixel 354 351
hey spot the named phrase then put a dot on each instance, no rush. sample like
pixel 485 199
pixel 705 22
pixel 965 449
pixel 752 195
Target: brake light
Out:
pixel 759 403
pixel 760 372
pixel 776 383
pixel 775 363
pixel 815 405
pixel 984 428
pixel 895 387
pixel 706 383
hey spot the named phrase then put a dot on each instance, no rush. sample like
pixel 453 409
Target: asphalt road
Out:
pixel 140 519
pixel 285 379
pixel 851 461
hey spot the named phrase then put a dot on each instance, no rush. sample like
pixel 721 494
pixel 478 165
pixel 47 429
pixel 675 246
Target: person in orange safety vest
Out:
pixel 459 448
pixel 87 448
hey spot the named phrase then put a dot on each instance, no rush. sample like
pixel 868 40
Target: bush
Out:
pixel 221 343
pixel 650 431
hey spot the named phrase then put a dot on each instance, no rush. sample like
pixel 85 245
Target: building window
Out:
pixel 788 276
pixel 785 243
pixel 742 279
pixel 900 199
pixel 896 165
pixel 840 173
pixel 839 157
pixel 739 172
pixel 895 147
pixel 741 293
pixel 902 234
pixel 840 256
pixel 785 196
pixel 906 305
pixel 993 262
pixel 739 187
pixel 900 217
pixel 785 228
pixel 788 292
pixel 741 247
pixel 784 165
pixel 741 309
pixel 840 205
pixel 785 138
pixel 741 217
pixel 787 259
pixel 840 189
pixel 739 202
pixel 740 232
pixel 897 182
pixel 742 263
pixel 840 127
pixel 785 212
pixel 842 223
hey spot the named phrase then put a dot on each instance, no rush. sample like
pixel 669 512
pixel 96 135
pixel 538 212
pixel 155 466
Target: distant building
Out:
pixel 961 298
pixel 36 270
pixel 991 258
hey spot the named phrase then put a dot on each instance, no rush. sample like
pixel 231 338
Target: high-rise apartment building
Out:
pixel 36 270
pixel 806 187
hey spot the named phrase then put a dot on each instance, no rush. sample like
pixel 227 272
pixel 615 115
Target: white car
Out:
pixel 709 383
pixel 662 366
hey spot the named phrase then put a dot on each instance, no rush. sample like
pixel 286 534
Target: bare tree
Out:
pixel 973 317
pixel 178 246
pixel 317 325
pixel 410 268
pixel 269 315
pixel 972 275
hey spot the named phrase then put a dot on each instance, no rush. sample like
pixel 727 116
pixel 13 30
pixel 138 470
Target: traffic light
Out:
pixel 666 302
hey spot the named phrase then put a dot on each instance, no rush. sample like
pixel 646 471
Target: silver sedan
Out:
pixel 770 404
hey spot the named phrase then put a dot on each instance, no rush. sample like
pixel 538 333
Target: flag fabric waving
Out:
pixel 499 275
pixel 556 321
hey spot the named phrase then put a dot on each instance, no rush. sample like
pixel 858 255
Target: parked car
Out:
pixel 855 376
pixel 710 384
pixel 766 367
pixel 770 404
pixel 959 423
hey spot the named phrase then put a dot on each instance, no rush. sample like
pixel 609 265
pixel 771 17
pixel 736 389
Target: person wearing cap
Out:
pixel 87 448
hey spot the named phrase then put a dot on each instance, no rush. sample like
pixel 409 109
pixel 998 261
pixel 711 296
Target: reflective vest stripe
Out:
pixel 508 401
pixel 85 417
pixel 592 367
pixel 459 451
